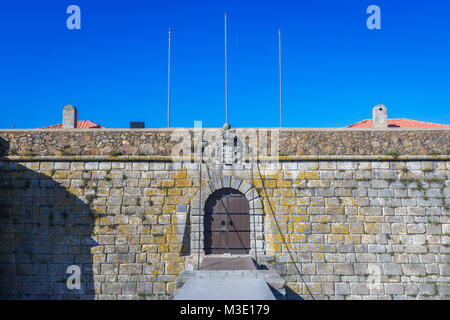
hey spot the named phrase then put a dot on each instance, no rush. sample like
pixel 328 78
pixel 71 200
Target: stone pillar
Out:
pixel 380 116
pixel 69 117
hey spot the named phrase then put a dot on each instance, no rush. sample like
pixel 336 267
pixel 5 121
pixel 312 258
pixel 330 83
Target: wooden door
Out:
pixel 227 223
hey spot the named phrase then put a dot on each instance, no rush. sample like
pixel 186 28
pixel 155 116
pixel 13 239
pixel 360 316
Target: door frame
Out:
pixel 227 230
pixel 197 212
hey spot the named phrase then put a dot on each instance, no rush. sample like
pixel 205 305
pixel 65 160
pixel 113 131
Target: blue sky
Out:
pixel 114 70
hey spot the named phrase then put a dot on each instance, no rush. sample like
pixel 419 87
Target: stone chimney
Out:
pixel 380 116
pixel 69 117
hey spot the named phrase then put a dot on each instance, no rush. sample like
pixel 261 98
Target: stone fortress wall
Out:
pixel 362 214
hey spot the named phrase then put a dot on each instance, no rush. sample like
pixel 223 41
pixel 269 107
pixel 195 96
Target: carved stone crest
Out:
pixel 228 148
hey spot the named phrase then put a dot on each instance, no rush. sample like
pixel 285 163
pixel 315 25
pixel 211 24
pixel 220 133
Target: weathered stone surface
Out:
pixel 291 142
pixel 353 231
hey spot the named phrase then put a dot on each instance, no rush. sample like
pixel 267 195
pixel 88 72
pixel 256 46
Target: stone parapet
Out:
pixel 292 142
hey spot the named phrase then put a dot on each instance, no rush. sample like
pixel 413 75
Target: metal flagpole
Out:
pixel 168 84
pixel 279 67
pixel 226 72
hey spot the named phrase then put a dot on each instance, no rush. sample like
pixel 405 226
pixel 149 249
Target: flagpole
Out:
pixel 226 73
pixel 168 83
pixel 279 67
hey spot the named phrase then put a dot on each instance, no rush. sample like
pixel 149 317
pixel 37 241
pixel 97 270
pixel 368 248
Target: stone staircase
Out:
pixel 229 278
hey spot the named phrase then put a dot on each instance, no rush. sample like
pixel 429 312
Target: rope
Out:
pixel 281 233
pixel 199 213
pixel 254 222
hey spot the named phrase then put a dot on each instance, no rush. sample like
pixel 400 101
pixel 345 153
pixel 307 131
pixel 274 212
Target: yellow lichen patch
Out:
pixel 45 166
pixel 352 238
pixel 152 211
pixel 298 218
pixel 318 256
pixel 275 247
pixel 98 258
pixel 172 239
pixel 335 238
pixel 285 193
pixel 76 191
pixel 348 201
pixel 141 257
pixel 288 201
pixel 165 229
pixel 281 183
pixel 153 257
pixel 321 228
pixel 148 192
pixel 97 249
pixel 339 228
pixel 321 218
pixel 105 229
pixel 164 219
pixel 374 219
pixel 103 192
pixel 150 248
pixel 167 183
pixel 145 229
pixel 134 220
pixel 176 248
pixel 356 227
pixel 315 210
pixel 159 287
pixel 372 228
pixel 330 202
pixel 301 227
pixel 293 246
pixel 163 247
pixel 133 239
pixel 275 176
pixel 170 286
pixel 301 176
pixel 170 257
pixel 159 239
pixel 147 239
pixel 183 183
pixel 312 175
pixel 258 184
pixel 334 210
pixel 276 238
pixel 60 175
pixel 269 184
pixel 169 208
pixel 315 288
pixel 181 174
pixel 174 191
pixel 159 269
pixel 297 238
pixel 99 210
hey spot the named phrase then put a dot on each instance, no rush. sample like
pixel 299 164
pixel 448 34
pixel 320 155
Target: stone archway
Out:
pixel 256 212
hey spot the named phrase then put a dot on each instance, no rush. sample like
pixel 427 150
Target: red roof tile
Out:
pixel 81 124
pixel 399 123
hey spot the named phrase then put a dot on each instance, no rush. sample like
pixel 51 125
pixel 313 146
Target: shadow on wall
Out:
pixel 43 230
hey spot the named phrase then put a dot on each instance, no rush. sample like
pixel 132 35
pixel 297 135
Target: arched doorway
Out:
pixel 227 223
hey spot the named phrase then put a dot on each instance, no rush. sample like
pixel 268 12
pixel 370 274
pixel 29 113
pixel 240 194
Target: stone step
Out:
pixel 234 288
pixel 213 279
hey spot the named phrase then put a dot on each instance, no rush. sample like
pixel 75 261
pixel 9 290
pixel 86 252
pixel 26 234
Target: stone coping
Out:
pixel 259 159
pixel 296 142
pixel 391 129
